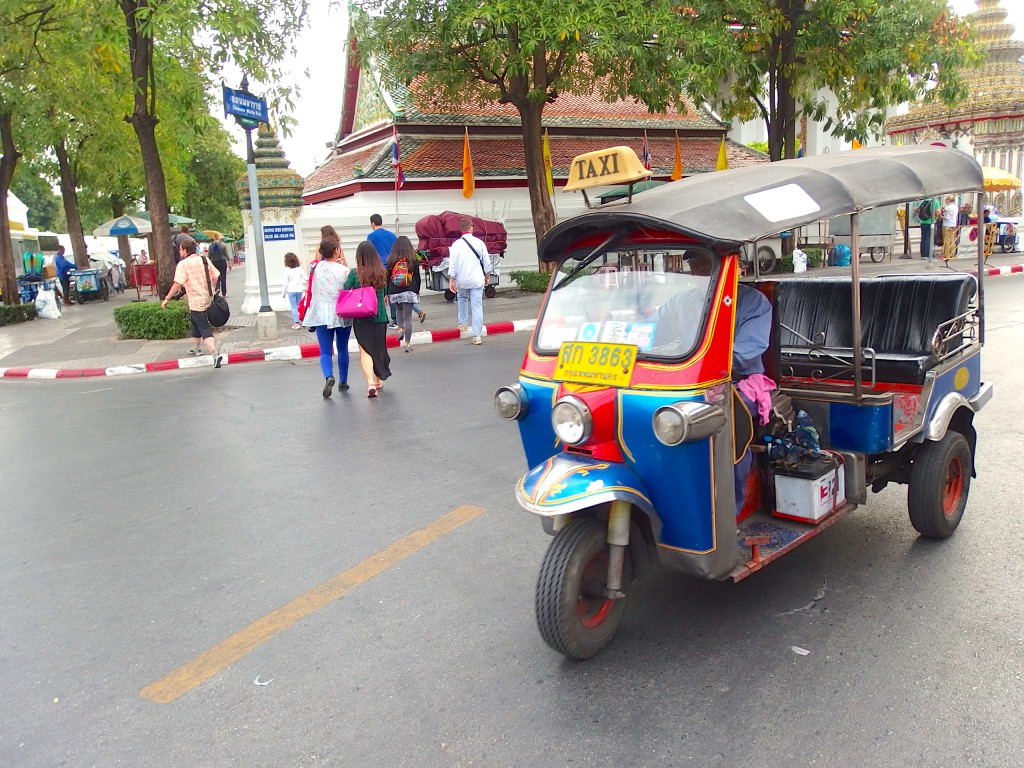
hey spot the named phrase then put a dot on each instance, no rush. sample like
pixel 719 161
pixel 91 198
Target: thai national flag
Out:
pixel 396 159
pixel 645 151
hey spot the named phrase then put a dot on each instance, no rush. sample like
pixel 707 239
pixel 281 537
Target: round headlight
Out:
pixel 510 402
pixel 669 426
pixel 571 420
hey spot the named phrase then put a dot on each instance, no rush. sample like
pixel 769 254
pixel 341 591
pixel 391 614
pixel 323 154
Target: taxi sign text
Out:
pixel 602 165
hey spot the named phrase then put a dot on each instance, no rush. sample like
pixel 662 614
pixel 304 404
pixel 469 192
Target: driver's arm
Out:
pixel 753 331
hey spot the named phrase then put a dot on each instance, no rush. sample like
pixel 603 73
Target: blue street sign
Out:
pixel 279 232
pixel 245 105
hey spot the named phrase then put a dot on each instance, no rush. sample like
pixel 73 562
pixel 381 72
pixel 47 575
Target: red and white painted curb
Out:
pixel 295 352
pixel 1014 269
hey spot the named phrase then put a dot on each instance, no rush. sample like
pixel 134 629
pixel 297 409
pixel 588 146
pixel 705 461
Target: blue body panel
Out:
pixel 539 442
pixel 964 378
pixel 863 428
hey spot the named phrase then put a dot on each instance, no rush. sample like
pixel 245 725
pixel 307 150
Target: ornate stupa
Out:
pixel 990 122
pixel 279 186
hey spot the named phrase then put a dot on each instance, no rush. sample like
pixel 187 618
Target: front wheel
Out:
pixel 766 260
pixel 877 255
pixel 940 480
pixel 490 291
pixel 573 614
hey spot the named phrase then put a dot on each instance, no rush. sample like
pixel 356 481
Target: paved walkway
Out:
pixel 86 338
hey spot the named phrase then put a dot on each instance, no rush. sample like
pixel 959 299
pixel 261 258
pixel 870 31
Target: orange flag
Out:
pixel 855 144
pixel 468 177
pixel 677 169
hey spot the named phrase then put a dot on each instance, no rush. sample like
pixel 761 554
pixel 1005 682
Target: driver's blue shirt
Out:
pixel 753 331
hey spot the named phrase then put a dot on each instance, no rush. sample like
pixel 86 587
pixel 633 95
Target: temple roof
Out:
pixel 431 136
pixel 996 87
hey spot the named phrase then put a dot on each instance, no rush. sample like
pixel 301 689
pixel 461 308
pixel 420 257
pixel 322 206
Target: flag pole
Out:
pixel 396 203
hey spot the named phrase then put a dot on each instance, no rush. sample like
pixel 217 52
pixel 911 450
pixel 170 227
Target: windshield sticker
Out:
pixel 588 332
pixel 786 202
pixel 618 332
pixel 554 335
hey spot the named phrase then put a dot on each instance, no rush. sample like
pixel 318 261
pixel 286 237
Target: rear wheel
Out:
pixel 489 291
pixel 766 260
pixel 573 614
pixel 940 480
pixel 877 255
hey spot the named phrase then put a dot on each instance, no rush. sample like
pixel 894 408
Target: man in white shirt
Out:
pixel 950 230
pixel 467 277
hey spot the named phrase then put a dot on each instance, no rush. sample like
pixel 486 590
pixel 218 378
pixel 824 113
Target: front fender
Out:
pixel 566 483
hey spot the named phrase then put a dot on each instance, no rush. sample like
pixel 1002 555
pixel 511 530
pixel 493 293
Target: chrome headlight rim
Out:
pixel 580 408
pixel 521 401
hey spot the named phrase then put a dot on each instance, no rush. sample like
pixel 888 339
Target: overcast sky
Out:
pixel 321 51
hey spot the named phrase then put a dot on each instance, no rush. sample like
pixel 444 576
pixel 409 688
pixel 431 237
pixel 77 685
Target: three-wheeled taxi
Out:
pixel 648 439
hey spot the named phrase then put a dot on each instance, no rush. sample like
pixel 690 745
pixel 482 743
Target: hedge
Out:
pixel 815 259
pixel 528 280
pixel 17 314
pixel 147 320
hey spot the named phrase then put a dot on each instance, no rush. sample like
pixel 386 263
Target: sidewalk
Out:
pixel 86 337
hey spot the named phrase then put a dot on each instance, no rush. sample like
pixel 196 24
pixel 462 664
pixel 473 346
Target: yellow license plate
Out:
pixel 597 363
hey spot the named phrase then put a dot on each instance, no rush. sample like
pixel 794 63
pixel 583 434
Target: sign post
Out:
pixel 249 111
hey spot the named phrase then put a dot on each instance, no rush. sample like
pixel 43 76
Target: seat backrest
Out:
pixel 818 309
pixel 901 313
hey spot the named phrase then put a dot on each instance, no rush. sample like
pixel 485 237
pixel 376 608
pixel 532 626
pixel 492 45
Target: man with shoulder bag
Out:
pixel 196 275
pixel 467 278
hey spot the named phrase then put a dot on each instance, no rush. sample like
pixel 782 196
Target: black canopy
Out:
pixel 728 208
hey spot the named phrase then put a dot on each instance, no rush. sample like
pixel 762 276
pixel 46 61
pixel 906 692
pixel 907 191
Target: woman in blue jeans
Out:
pixel 329 275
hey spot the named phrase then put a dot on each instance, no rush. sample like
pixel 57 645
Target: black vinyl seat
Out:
pixel 812 328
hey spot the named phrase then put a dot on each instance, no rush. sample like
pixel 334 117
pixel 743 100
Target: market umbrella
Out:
pixel 172 218
pixel 617 193
pixel 998 180
pixel 126 225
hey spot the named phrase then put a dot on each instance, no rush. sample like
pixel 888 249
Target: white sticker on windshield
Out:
pixel 786 202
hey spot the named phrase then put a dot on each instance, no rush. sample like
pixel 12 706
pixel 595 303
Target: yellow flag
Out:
pixel 677 169
pixel 547 164
pixel 723 161
pixel 468 177
pixel 855 144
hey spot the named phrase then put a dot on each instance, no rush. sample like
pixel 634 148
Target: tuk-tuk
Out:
pixel 649 444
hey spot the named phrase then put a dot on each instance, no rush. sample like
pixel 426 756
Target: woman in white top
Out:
pixel 294 282
pixel 950 231
pixel 332 332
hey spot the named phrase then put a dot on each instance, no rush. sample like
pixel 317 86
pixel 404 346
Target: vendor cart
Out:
pixel 88 284
pixel 877 235
pixel 436 235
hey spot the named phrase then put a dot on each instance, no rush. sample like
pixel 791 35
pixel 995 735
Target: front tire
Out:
pixel 877 255
pixel 573 615
pixel 766 260
pixel 940 481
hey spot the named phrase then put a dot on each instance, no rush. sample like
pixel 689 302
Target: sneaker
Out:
pixel 296 326
pixel 392 325
pixel 217 360
pixel 329 386
pixel 477 340
pixel 421 315
pixel 195 352
pixel 408 347
pixel 463 327
pixel 343 387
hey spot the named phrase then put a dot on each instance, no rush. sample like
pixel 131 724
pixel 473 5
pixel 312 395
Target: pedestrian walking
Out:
pixel 218 254
pixel 950 228
pixel 403 287
pixel 467 278
pixel 383 240
pixel 294 281
pixel 197 276
pixel 371 332
pixel 332 332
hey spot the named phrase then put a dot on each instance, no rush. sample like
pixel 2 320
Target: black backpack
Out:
pixel 925 210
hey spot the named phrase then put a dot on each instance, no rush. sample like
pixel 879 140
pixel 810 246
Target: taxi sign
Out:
pixel 597 363
pixel 615 165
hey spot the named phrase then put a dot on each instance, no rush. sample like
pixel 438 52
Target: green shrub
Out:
pixel 529 280
pixel 147 320
pixel 815 259
pixel 17 314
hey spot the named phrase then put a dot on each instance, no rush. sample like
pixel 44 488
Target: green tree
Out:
pixel 526 52
pixel 869 55
pixel 35 192
pixel 255 34
pixel 209 195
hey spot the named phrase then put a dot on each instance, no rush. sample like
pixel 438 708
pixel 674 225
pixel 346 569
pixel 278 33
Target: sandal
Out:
pixel 371 392
pixel 422 315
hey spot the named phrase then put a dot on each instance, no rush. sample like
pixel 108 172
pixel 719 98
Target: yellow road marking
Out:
pixel 206 665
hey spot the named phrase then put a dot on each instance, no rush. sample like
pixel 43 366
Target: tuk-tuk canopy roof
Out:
pixel 728 208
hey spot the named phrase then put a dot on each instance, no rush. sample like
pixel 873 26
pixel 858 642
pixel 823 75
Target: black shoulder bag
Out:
pixel 218 312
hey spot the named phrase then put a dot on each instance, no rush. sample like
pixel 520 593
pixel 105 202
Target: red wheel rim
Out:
pixel 592 607
pixel 954 486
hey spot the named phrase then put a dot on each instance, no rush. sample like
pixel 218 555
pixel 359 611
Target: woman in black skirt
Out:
pixel 371 332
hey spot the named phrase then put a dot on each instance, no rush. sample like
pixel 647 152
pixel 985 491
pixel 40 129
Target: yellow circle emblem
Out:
pixel 961 378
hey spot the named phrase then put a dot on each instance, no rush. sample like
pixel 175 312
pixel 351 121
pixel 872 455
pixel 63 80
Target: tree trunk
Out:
pixel 69 194
pixel 124 245
pixel 533 145
pixel 143 120
pixel 9 161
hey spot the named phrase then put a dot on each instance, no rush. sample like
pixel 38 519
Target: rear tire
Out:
pixel 766 260
pixel 877 255
pixel 940 481
pixel 490 291
pixel 573 616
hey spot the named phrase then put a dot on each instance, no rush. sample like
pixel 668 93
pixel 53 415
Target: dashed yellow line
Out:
pixel 206 665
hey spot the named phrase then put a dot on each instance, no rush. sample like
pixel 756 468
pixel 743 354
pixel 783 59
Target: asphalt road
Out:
pixel 247 491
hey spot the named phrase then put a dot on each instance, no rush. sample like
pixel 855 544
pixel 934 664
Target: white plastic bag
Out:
pixel 799 261
pixel 46 305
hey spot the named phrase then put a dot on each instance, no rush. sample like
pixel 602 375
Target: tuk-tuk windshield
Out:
pixel 654 299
